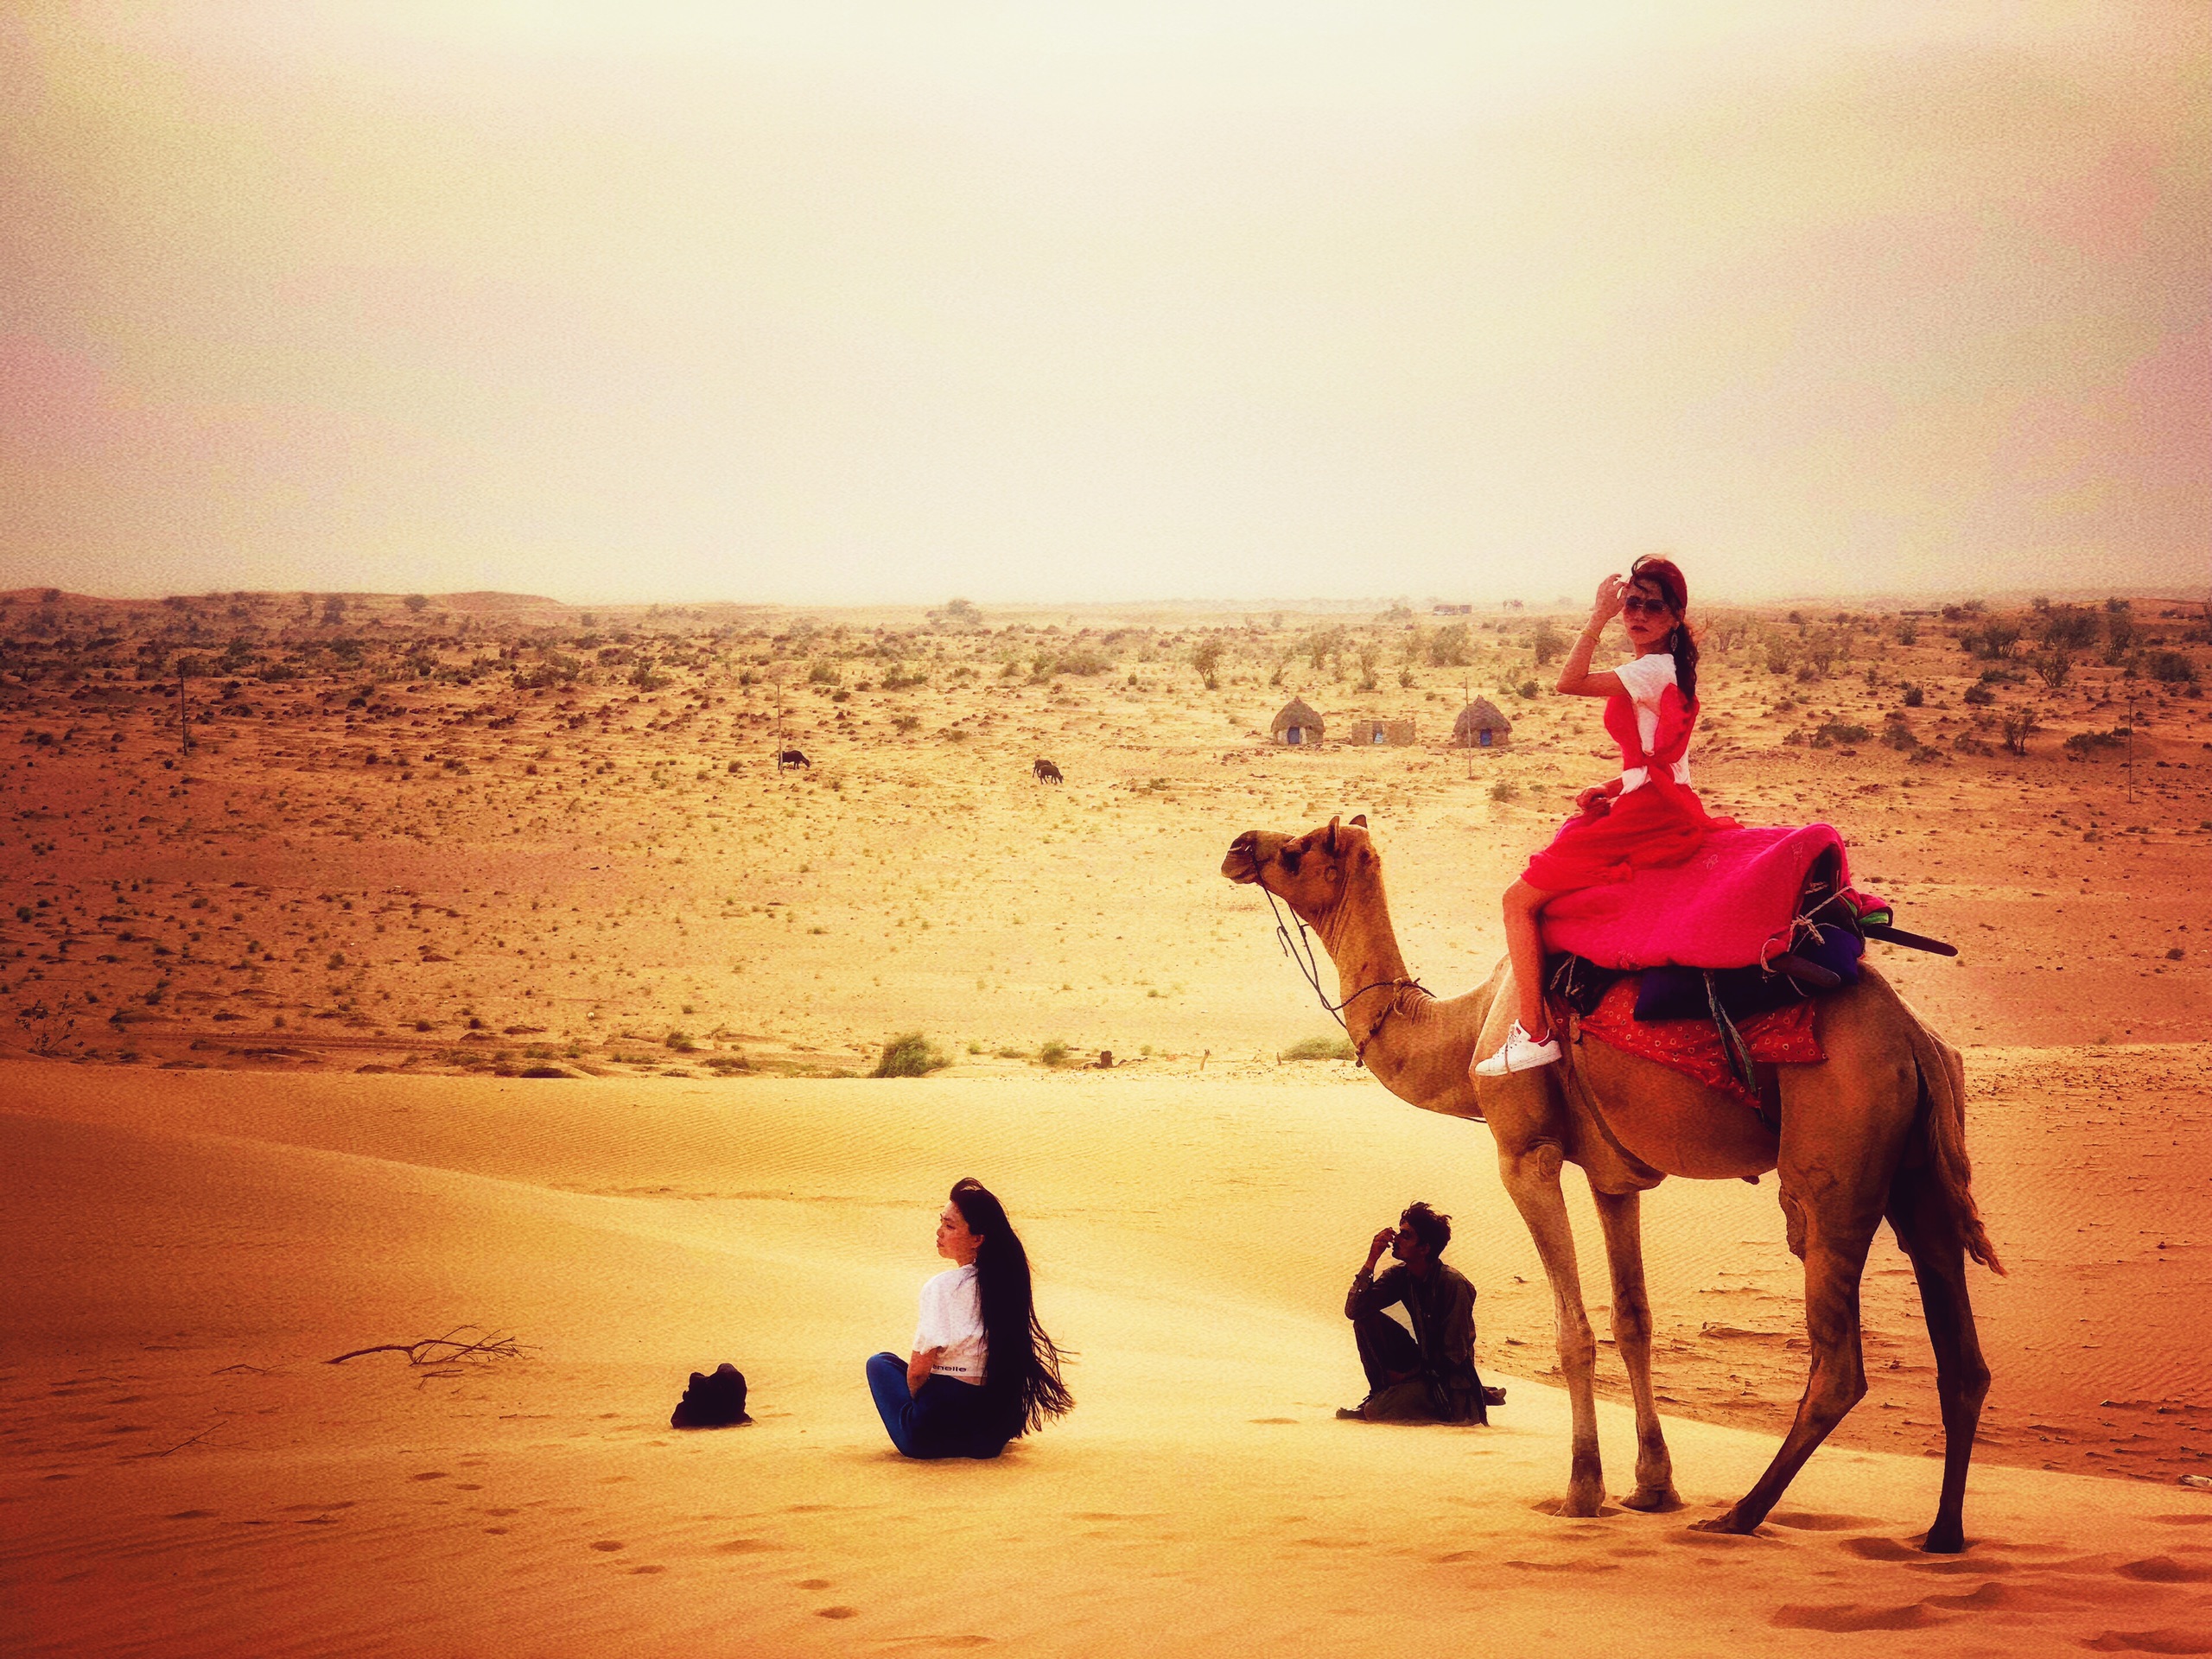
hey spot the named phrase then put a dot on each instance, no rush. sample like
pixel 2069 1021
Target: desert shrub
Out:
pixel 723 1064
pixel 681 1042
pixel 910 1055
pixel 2088 743
pixel 1899 736
pixel 1914 696
pixel 1838 731
pixel 1505 789
pixel 1205 657
pixel 1908 633
pixel 2172 667
pixel 2017 726
pixel 821 671
pixel 2068 629
pixel 1527 689
pixel 1980 695
pixel 1995 641
pixel 1084 661
pixel 1452 646
pixel 2054 664
pixel 1318 1048
pixel 1055 1054
pixel 1547 642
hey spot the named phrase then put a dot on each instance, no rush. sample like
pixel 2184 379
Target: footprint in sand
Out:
pixel 609 1546
pixel 2163 1569
pixel 1845 1618
pixel 2168 1640
pixel 1881 1550
pixel 430 1474
pixel 814 1584
pixel 836 1612
pixel 648 1569
pixel 1273 1420
pixel 1804 1522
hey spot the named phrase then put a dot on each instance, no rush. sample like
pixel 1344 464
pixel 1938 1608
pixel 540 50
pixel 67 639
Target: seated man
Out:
pixel 1429 1376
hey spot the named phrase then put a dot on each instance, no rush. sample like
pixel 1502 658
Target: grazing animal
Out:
pixel 1877 1130
pixel 1048 772
pixel 793 758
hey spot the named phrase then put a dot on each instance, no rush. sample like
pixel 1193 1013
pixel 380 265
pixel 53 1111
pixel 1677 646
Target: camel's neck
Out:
pixel 1417 1047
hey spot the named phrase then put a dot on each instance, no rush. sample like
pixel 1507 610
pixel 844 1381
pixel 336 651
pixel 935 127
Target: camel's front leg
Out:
pixel 1531 1176
pixel 1619 1213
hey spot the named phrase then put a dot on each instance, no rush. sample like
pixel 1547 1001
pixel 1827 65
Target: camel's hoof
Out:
pixel 1944 1541
pixel 1653 1500
pixel 1578 1505
pixel 1726 1521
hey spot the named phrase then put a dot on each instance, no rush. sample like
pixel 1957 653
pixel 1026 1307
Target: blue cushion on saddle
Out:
pixel 1679 993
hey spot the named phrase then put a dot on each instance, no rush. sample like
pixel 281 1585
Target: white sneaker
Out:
pixel 1521 1053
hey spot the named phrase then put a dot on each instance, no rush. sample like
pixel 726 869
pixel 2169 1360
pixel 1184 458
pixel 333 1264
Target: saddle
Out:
pixel 1817 951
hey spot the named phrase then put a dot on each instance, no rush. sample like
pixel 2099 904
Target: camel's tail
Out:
pixel 1943 1107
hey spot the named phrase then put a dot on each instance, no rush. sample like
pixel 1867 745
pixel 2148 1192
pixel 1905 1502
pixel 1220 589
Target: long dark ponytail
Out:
pixel 1666 576
pixel 1022 1367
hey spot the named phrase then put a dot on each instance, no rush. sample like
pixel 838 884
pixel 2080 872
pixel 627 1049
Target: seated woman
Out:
pixel 982 1370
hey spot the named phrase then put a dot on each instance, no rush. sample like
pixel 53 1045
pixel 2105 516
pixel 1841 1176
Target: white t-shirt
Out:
pixel 952 1320
pixel 1644 679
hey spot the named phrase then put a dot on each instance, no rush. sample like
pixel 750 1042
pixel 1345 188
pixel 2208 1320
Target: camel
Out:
pixel 1876 1131
pixel 1048 772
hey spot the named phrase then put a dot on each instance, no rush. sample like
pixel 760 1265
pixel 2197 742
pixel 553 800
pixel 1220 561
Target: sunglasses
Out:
pixel 1638 605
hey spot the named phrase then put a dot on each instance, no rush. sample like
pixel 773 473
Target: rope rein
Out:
pixel 1301 953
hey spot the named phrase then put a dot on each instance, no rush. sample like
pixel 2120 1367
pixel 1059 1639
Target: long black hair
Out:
pixel 1021 1366
pixel 1667 576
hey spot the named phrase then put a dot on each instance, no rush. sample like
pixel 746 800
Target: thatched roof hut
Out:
pixel 1481 726
pixel 1397 734
pixel 1297 723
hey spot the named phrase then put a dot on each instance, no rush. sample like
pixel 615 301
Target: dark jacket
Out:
pixel 1441 1310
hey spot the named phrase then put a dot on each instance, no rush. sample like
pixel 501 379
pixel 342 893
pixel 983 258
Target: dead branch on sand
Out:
pixel 444 1350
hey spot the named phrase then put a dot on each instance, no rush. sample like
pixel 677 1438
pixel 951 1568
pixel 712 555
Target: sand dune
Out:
pixel 189 1479
pixel 472 837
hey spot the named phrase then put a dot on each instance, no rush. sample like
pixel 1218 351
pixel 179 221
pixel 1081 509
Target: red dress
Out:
pixel 1661 822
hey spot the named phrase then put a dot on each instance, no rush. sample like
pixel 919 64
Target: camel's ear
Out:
pixel 1361 820
pixel 1333 838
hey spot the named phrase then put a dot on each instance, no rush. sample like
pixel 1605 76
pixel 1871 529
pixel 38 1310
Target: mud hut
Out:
pixel 1396 733
pixel 1481 726
pixel 1297 723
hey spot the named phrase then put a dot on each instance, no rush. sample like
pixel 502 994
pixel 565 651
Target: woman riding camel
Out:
pixel 982 1370
pixel 1646 818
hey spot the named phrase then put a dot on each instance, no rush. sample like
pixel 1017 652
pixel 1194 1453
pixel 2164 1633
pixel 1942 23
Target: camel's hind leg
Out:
pixel 1844 1125
pixel 1531 1176
pixel 1619 1213
pixel 1926 1226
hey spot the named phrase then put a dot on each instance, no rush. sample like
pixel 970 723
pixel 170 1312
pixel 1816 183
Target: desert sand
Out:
pixel 275 1002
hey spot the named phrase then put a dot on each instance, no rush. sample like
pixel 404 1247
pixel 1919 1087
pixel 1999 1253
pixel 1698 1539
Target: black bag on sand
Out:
pixel 715 1402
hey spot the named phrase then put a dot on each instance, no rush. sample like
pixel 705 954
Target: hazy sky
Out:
pixel 841 301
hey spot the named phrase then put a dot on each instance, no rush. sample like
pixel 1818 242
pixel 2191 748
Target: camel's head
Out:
pixel 1309 872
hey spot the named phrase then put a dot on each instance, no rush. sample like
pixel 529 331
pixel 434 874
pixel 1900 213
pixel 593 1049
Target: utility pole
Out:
pixel 183 715
pixel 2131 749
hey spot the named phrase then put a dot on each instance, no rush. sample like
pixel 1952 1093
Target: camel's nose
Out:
pixel 1243 863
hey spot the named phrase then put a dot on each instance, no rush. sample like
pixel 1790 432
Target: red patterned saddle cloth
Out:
pixel 1784 1036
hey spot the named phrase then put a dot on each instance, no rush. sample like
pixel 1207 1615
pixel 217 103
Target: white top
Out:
pixel 1644 678
pixel 952 1320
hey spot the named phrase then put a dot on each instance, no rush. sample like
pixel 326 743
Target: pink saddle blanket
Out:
pixel 1730 906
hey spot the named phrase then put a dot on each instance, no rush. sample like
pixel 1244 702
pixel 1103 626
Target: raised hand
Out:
pixel 1608 603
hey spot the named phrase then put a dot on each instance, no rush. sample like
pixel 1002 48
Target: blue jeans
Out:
pixel 947 1419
